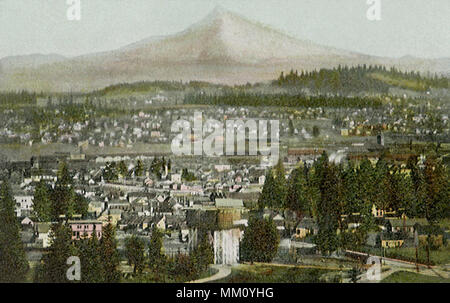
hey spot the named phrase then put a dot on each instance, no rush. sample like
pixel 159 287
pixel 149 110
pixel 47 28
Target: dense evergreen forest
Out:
pixel 347 80
pixel 340 82
pixel 336 195
pixel 286 100
pixel 22 97
pixel 146 86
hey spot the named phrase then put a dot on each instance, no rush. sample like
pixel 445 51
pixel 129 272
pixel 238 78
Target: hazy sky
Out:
pixel 408 27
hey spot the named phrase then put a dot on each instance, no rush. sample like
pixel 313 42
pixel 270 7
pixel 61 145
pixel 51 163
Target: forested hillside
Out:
pixel 360 78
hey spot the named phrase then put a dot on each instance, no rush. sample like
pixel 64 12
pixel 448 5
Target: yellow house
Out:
pixel 161 224
pixel 306 227
pixel 301 232
pixel 114 216
pixel 95 208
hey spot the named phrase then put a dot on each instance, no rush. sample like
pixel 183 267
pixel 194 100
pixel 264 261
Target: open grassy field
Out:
pixel 410 277
pixel 445 224
pixel 400 82
pixel 437 257
pixel 273 274
pixel 150 277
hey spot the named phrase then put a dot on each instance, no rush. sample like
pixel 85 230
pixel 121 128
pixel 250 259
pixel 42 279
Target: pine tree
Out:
pixel 380 177
pixel 352 204
pixel 62 198
pixel 260 241
pixel 80 205
pixel 312 191
pixel 352 195
pixel 183 268
pixel 110 172
pixel 139 168
pixel 435 198
pixel 297 199
pixel 53 268
pixel 13 263
pixel 63 195
pixel 203 254
pixel 280 186
pixel 63 174
pixel 123 169
pixel 367 184
pixel 91 259
pixel 109 254
pixel 435 203
pixel 401 192
pixel 134 251
pixel 42 205
pixel 328 215
pixel 267 197
pixel 415 180
pixel 156 257
pixel 365 190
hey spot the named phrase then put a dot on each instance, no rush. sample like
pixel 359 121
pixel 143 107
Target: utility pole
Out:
pixel 381 247
pixel 416 244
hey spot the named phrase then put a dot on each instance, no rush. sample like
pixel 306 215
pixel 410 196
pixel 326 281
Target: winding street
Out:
pixel 223 272
pixel 400 265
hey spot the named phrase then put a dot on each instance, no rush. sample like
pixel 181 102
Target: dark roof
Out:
pixel 302 152
pixel 142 194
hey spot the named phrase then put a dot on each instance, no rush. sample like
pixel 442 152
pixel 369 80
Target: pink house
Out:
pixel 85 228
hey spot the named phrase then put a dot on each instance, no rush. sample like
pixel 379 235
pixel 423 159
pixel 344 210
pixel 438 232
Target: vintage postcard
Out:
pixel 198 141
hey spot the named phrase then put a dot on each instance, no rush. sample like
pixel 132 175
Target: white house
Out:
pixel 262 179
pixel 24 203
pixel 27 222
pixel 176 178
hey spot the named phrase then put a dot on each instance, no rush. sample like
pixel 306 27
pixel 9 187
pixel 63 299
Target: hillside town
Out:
pixel 116 169
pixel 143 144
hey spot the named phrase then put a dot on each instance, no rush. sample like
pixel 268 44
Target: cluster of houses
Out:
pixel 135 204
pixel 412 119
pixel 154 126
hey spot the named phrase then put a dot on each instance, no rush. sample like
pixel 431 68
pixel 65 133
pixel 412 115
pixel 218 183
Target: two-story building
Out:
pixel 24 204
pixel 85 228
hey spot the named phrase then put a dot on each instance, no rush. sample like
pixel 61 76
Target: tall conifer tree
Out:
pixel 13 262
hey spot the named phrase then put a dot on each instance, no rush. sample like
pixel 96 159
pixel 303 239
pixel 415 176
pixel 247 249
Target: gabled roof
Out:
pixel 142 194
pixel 83 222
pixel 278 218
pixel 25 220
